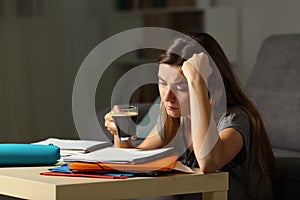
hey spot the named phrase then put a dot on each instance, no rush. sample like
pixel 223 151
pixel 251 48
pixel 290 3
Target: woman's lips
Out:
pixel 170 107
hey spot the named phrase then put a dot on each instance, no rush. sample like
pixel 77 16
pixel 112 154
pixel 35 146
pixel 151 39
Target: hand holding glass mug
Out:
pixel 122 121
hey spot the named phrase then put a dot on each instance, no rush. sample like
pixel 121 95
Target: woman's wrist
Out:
pixel 122 144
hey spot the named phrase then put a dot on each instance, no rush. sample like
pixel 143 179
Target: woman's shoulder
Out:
pixel 234 113
pixel 236 118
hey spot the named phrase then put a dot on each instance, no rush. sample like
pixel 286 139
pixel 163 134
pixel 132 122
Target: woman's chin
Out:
pixel 174 114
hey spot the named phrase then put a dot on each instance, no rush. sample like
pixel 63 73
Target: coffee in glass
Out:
pixel 125 118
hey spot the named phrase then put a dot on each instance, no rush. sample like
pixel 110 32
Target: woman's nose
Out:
pixel 169 95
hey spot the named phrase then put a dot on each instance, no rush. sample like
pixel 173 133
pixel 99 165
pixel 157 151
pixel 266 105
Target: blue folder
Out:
pixel 28 154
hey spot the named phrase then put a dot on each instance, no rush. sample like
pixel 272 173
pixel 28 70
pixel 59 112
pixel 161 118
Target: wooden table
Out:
pixel 25 182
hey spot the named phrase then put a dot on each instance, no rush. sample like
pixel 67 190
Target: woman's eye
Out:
pixel 182 88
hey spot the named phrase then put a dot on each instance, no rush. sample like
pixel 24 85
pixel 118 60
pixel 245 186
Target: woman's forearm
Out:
pixel 204 132
pixel 200 107
pixel 205 137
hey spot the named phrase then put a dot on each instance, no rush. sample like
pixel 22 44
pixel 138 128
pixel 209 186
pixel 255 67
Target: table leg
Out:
pixel 221 195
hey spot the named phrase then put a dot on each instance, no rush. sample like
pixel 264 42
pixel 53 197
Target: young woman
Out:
pixel 188 121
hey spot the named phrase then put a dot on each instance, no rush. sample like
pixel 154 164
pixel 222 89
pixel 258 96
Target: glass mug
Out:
pixel 125 118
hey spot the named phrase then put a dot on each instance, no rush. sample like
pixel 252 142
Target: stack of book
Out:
pixel 120 159
pixel 96 159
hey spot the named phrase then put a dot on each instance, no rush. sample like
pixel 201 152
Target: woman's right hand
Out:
pixel 110 124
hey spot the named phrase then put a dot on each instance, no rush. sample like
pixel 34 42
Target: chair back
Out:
pixel 274 86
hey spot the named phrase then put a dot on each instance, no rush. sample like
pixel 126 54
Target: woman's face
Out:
pixel 173 89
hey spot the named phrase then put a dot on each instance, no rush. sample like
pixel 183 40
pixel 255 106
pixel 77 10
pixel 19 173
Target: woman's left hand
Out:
pixel 196 67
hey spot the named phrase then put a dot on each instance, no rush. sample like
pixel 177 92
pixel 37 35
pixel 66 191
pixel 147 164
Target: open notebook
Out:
pixel 71 147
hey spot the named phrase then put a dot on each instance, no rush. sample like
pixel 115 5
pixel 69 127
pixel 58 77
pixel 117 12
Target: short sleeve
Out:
pixel 238 120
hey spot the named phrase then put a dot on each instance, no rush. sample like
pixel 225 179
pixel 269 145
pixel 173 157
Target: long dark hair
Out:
pixel 235 95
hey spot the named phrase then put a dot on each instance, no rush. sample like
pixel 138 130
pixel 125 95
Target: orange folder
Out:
pixel 163 164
